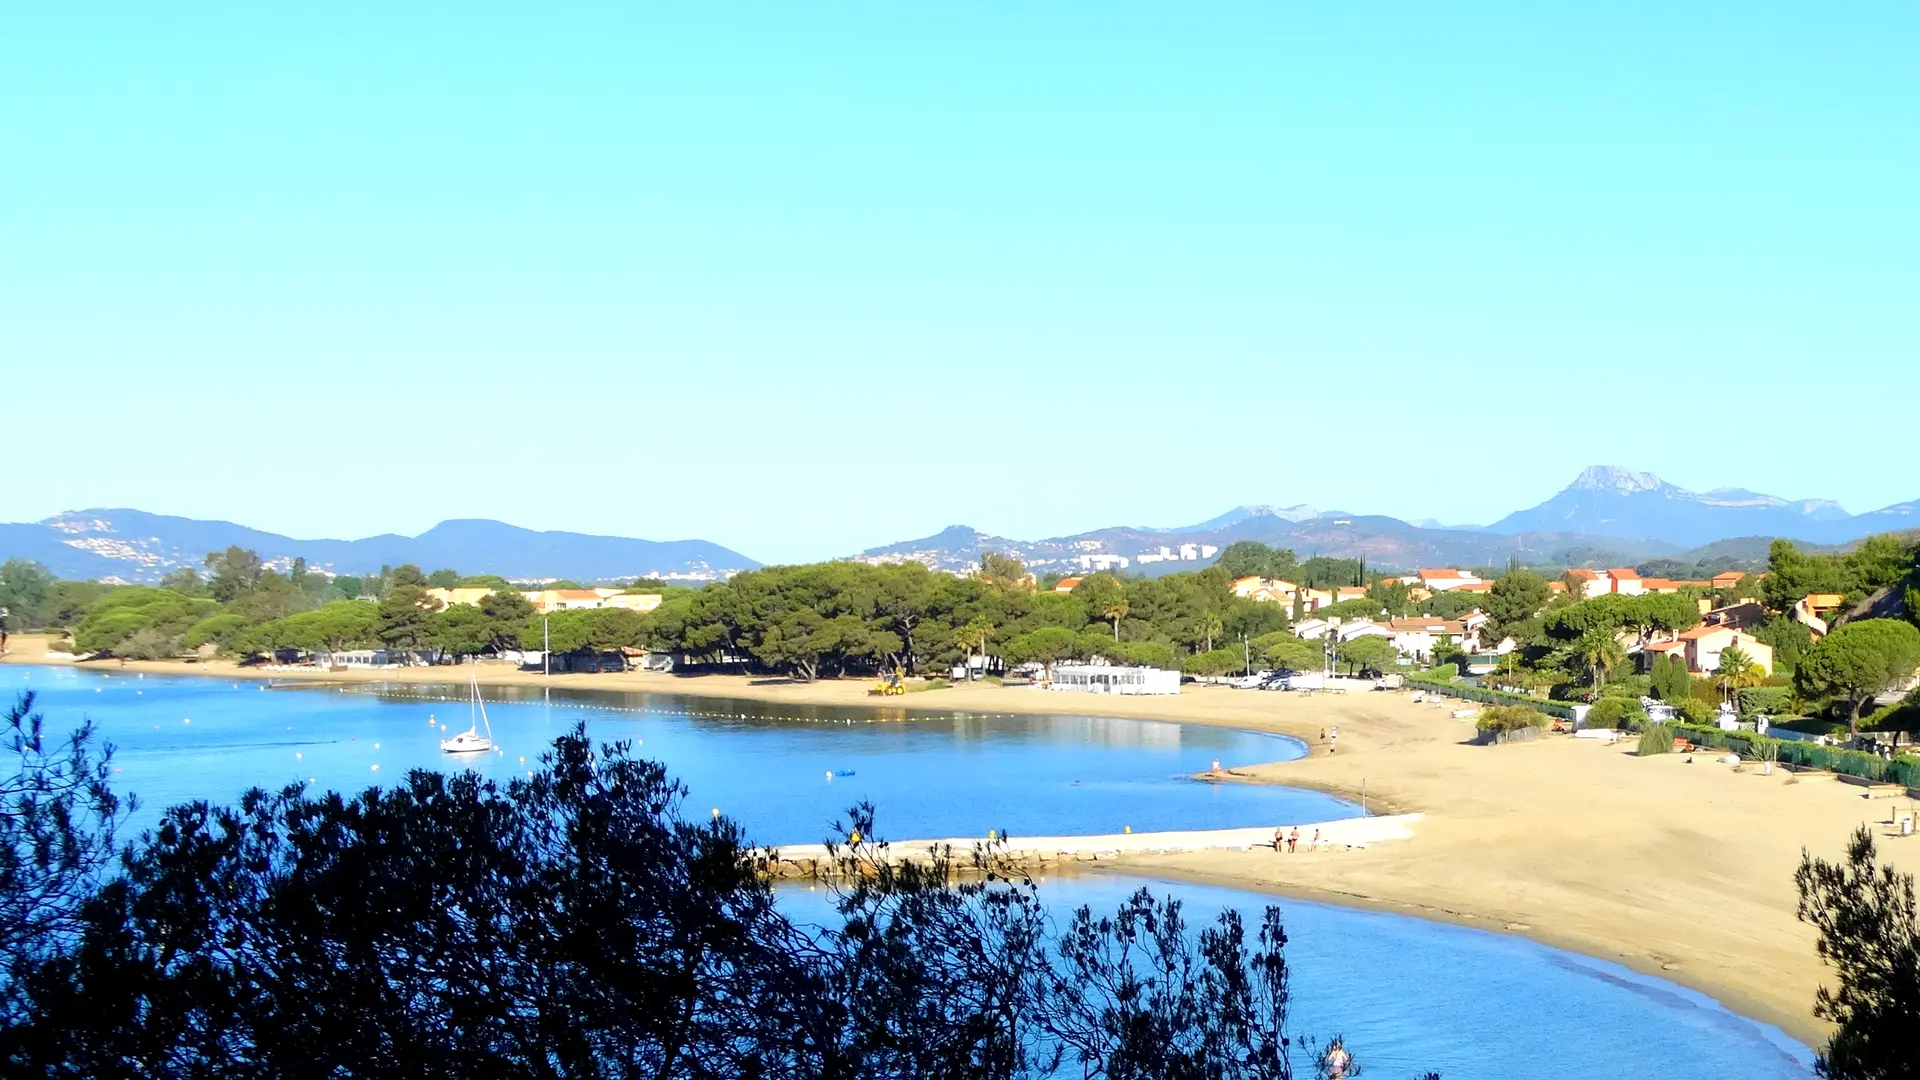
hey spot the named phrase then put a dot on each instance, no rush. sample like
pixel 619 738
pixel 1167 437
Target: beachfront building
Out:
pixel 1418 635
pixel 358 658
pixel 1108 679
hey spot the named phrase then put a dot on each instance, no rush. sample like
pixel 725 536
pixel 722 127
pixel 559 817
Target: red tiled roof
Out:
pixel 576 594
pixel 1584 575
pixel 1625 572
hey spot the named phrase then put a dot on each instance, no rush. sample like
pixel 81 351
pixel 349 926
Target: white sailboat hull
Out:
pixel 471 741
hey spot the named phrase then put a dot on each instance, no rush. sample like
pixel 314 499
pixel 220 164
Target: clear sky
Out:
pixel 803 278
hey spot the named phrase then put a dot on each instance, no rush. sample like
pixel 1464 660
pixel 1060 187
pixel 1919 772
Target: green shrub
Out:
pixel 1695 710
pixel 1510 718
pixel 1445 673
pixel 929 684
pixel 1656 739
pixel 1498 697
pixel 1751 701
pixel 1608 712
pixel 1903 715
pixel 1670 680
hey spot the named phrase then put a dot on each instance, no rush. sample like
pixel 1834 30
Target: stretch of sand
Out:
pixel 1684 870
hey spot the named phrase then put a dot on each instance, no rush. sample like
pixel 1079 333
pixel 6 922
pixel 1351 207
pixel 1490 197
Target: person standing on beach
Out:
pixel 1293 840
pixel 1332 734
pixel 1315 845
pixel 1279 839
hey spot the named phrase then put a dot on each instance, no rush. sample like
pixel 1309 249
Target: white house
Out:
pixel 1625 581
pixel 1359 628
pixel 1311 629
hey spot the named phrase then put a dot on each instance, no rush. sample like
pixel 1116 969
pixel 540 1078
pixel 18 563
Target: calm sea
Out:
pixel 1407 994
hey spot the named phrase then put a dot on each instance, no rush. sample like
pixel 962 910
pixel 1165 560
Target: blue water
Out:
pixel 932 775
pixel 1407 994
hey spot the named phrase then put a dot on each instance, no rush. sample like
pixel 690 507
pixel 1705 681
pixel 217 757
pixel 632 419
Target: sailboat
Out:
pixel 471 741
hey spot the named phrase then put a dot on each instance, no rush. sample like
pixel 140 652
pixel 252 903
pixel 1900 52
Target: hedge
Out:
pixel 1442 675
pixel 1499 697
pixel 1806 755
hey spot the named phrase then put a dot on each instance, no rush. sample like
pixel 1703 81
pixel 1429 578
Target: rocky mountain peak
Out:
pixel 1613 478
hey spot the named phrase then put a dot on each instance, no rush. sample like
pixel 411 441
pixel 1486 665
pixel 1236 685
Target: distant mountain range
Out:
pixel 135 546
pixel 1607 514
pixel 1614 502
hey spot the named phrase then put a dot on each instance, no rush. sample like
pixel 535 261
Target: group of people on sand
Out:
pixel 1289 841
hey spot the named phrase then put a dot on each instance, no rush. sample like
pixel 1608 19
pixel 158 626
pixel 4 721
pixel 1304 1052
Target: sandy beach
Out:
pixel 1675 868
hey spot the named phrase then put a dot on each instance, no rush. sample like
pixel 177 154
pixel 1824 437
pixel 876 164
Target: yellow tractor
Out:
pixel 891 683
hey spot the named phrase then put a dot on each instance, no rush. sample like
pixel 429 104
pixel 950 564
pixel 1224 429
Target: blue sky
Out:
pixel 806 278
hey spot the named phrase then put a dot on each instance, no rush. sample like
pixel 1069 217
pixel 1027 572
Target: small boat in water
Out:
pixel 471 741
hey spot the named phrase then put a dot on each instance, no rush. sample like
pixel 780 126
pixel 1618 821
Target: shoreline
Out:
pixel 1801 1027
pixel 1675 869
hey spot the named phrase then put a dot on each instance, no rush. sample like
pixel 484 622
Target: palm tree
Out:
pixel 975 632
pixel 1600 652
pixel 1737 671
pixel 1209 627
pixel 1115 609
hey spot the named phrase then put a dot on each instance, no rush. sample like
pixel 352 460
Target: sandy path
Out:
pixel 1675 869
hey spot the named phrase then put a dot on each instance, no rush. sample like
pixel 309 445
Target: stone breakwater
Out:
pixel 1041 854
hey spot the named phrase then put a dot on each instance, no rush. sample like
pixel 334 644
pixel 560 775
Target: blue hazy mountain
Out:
pixel 133 545
pixel 1607 514
pixel 1613 502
